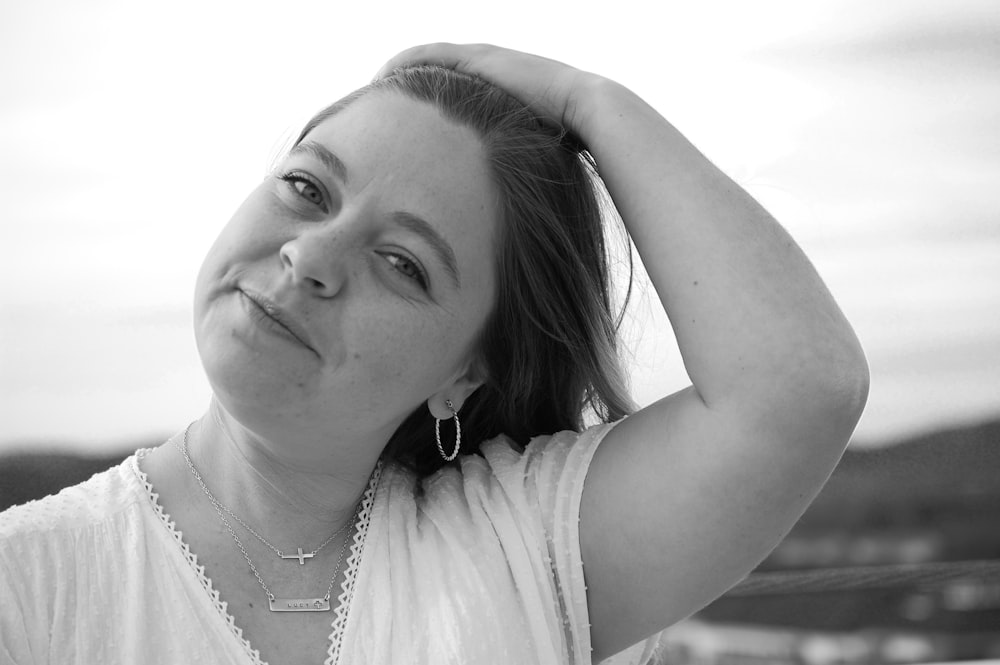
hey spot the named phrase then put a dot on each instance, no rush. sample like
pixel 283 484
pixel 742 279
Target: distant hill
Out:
pixel 27 476
pixel 955 463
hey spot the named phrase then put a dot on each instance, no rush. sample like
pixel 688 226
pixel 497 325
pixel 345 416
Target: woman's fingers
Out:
pixel 442 54
pixel 548 86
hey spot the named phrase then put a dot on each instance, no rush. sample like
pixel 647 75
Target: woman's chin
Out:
pixel 252 381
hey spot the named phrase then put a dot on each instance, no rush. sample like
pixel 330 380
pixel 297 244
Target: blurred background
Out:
pixel 129 132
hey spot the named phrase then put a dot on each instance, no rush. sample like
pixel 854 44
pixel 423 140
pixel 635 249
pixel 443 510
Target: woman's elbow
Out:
pixel 837 394
pixel 819 401
pixel 851 393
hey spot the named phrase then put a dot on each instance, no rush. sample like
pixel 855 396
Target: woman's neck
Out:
pixel 291 502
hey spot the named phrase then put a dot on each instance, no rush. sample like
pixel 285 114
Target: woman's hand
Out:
pixel 551 88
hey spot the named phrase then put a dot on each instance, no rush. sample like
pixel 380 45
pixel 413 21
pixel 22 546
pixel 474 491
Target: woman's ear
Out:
pixel 457 391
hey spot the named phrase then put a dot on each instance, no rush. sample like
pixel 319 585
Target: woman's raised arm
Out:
pixel 686 496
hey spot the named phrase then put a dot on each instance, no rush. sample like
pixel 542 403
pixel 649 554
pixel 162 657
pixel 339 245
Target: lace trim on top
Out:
pixel 350 575
pixel 347 587
pixel 220 605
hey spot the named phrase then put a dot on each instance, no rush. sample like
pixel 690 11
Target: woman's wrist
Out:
pixel 619 127
pixel 595 100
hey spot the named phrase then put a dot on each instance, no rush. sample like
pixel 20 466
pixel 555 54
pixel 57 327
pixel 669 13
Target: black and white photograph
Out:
pixel 526 333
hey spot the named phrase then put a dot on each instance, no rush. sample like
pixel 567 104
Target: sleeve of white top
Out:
pixel 15 634
pixel 557 467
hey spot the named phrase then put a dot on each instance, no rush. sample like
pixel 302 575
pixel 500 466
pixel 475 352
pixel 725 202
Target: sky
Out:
pixel 130 132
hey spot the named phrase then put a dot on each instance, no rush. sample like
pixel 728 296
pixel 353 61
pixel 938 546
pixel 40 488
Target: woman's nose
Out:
pixel 315 261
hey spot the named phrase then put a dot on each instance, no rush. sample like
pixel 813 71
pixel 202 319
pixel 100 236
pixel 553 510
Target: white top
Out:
pixel 479 563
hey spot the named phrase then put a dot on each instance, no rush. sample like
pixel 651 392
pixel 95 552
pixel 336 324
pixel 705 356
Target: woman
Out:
pixel 422 274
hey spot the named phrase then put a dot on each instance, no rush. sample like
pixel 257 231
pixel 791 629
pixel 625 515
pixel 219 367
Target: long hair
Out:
pixel 548 351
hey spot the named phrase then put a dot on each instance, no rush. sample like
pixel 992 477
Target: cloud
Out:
pixel 889 33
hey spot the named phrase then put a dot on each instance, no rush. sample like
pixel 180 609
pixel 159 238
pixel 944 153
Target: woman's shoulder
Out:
pixel 504 473
pixel 546 457
pixel 104 494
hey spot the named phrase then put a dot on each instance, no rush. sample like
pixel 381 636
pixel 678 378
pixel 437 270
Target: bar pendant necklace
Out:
pixel 283 604
pixel 299 604
pixel 291 604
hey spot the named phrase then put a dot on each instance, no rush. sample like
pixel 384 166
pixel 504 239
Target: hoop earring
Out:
pixel 458 433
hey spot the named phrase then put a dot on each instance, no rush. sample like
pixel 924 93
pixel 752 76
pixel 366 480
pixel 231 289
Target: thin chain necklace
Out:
pixel 274 604
pixel 301 556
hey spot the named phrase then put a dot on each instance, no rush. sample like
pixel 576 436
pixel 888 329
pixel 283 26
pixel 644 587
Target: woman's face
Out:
pixel 349 288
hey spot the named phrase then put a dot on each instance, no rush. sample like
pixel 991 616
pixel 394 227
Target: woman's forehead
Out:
pixel 399 123
pixel 388 134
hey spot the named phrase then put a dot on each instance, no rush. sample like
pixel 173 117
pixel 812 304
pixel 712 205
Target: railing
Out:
pixel 747 630
pixel 864 577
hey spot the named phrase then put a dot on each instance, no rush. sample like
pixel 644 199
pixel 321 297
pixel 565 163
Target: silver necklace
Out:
pixel 274 604
pixel 301 556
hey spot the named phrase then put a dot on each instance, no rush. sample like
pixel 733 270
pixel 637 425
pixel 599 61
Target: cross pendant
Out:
pixel 301 556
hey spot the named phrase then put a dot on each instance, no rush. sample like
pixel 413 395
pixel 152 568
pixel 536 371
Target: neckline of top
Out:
pixel 351 573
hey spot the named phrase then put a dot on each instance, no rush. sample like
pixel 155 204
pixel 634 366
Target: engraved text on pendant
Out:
pixel 299 604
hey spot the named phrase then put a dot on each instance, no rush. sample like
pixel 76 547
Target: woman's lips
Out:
pixel 280 317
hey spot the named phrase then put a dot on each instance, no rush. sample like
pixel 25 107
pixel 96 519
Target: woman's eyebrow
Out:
pixel 444 252
pixel 323 154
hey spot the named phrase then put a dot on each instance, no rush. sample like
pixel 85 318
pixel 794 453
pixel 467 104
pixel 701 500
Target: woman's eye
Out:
pixel 408 268
pixel 304 187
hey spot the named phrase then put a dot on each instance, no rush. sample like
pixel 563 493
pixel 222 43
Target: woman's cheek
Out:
pixel 402 350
